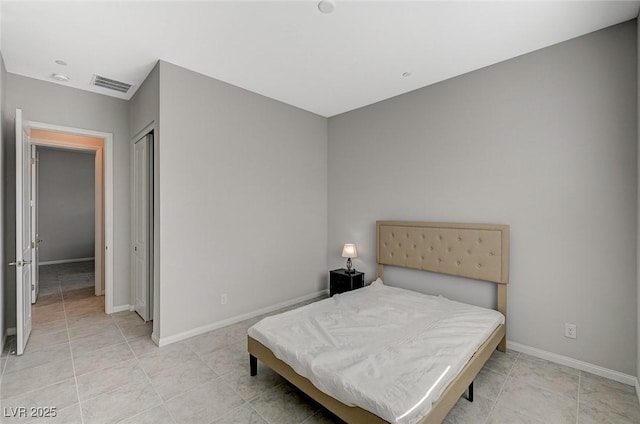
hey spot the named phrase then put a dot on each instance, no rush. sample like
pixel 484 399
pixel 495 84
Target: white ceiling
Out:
pixel 289 51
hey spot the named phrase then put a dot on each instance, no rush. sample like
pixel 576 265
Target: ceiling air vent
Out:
pixel 110 84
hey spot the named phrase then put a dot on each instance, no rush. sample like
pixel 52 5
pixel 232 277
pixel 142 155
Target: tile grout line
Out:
pixel 4 366
pixel 265 418
pixel 221 377
pixel 128 345
pixel 39 387
pixel 308 419
pixel 246 402
pixel 148 379
pixel 495 402
pixel 58 283
pixel 73 365
pixel 578 398
pixel 6 362
pixel 258 412
pixel 70 354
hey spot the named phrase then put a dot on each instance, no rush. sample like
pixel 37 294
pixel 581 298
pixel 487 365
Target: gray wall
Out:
pixel 638 228
pixel 243 201
pixel 66 208
pixel 144 107
pixel 55 104
pixel 546 143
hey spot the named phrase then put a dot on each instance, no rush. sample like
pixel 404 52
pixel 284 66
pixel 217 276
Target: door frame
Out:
pixel 104 215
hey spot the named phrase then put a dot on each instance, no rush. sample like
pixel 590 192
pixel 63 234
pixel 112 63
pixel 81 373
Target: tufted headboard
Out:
pixel 477 251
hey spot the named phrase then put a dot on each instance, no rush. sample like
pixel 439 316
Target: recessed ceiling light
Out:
pixel 406 74
pixel 60 77
pixel 327 6
pixel 61 62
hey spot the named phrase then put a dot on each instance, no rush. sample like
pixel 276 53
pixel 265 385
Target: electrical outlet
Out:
pixel 223 299
pixel 570 330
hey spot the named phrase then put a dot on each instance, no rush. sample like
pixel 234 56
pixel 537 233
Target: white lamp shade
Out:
pixel 349 251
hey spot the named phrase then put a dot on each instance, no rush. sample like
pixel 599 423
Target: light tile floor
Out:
pixel 96 368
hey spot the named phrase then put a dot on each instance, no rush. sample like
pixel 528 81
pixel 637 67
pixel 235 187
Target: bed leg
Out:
pixel 470 392
pixel 253 365
pixel 502 346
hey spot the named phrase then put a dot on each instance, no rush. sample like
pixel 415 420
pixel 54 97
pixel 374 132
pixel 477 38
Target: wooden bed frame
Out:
pixel 476 251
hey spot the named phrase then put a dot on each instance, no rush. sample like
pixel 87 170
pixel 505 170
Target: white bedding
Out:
pixel 387 350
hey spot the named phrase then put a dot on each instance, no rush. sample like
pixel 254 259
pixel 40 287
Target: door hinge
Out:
pixel 33 286
pixel 33 245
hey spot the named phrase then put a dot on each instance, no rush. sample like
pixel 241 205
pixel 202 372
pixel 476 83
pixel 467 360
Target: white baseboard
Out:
pixel 65 261
pixel 163 341
pixel 121 308
pixel 11 331
pixel 574 363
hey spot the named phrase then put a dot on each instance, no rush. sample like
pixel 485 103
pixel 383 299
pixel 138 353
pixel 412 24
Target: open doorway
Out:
pixel 69 214
pixel 67 230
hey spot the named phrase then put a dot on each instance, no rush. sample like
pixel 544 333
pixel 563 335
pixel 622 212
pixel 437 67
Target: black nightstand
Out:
pixel 340 281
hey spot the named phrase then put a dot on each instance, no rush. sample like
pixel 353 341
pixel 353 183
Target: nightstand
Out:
pixel 340 281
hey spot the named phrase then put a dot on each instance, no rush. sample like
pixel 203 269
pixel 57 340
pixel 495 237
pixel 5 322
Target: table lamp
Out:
pixel 349 251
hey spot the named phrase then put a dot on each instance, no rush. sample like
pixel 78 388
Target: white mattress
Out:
pixel 387 350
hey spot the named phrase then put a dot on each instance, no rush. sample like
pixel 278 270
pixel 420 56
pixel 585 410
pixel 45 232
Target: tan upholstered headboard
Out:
pixel 478 251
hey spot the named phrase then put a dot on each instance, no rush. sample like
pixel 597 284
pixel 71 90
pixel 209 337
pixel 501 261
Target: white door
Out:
pixel 141 196
pixel 35 241
pixel 23 235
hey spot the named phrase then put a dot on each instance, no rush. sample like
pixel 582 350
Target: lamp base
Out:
pixel 350 271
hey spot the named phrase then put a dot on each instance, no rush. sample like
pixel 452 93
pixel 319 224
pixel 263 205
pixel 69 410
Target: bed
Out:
pixel 475 251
